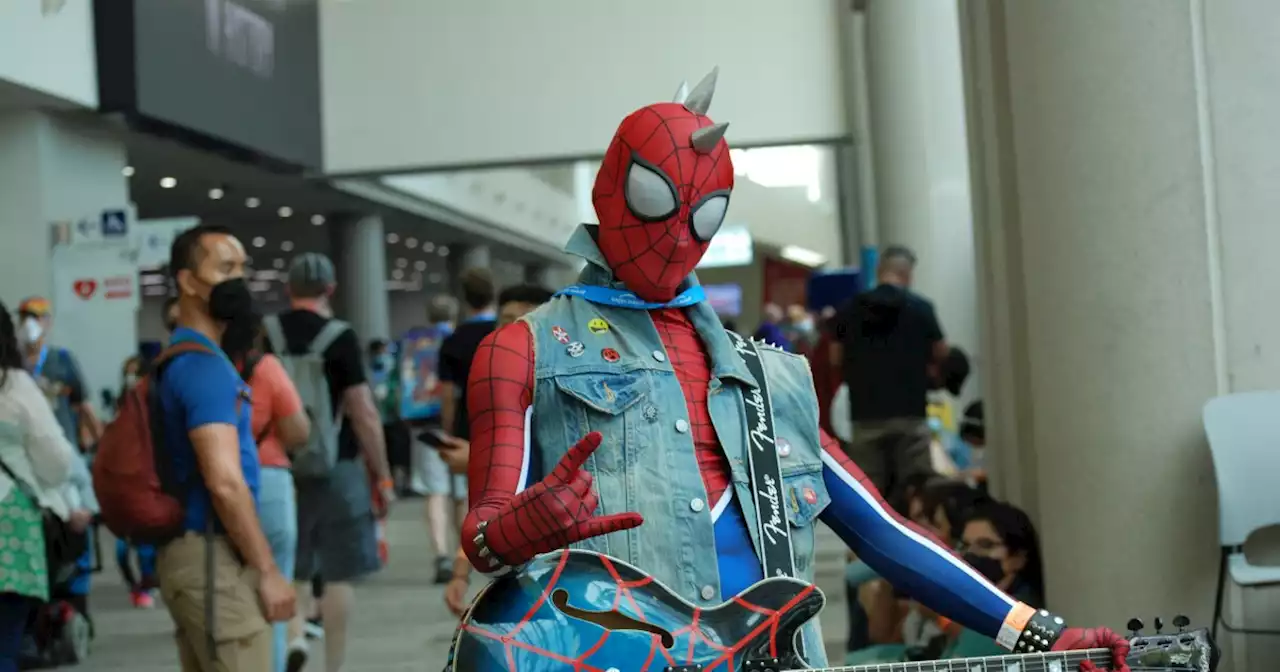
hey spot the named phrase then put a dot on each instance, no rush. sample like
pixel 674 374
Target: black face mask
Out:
pixel 988 567
pixel 231 301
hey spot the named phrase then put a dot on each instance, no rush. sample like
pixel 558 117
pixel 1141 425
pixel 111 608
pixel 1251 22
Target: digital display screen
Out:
pixel 725 299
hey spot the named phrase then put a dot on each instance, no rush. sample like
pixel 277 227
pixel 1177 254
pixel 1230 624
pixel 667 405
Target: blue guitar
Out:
pixel 579 611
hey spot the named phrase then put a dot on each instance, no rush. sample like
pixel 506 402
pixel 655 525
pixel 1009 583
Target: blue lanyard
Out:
pixel 44 354
pixel 623 299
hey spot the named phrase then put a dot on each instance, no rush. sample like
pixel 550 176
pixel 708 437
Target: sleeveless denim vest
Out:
pixel 646 462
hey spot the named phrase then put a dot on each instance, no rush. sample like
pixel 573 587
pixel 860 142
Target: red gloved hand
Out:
pixel 1075 639
pixel 554 513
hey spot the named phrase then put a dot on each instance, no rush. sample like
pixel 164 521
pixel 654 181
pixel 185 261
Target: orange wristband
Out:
pixel 1014 623
pixel 387 484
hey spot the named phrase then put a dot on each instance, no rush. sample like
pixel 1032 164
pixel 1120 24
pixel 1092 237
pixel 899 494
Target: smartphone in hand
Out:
pixel 435 438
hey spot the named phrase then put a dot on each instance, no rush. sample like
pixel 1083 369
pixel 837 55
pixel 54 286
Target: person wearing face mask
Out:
pixel 57 372
pixel 141 578
pixel 999 542
pixel 206 416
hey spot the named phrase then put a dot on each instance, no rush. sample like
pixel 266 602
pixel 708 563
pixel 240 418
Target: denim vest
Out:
pixel 646 462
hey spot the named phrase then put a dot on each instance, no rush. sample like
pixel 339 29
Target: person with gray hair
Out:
pixel 337 516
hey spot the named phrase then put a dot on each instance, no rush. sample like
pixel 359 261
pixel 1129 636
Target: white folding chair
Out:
pixel 1244 438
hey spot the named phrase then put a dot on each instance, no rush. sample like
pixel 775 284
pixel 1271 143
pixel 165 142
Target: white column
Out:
pixel 362 276
pixel 920 155
pixel 584 179
pixel 1126 190
pixel 58 170
pixel 474 256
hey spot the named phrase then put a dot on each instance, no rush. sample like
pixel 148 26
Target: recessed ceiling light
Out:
pixel 285 211
pixel 317 219
pixel 434 277
pixel 444 251
pixel 428 246
pixel 259 241
pixel 278 263
pixel 252 202
pixel 127 171
pixel 397 274
pixel 410 242
pixel 402 262
pixel 286 246
pixel 216 193
pixel 168 183
pixel 393 238
pixel 420 265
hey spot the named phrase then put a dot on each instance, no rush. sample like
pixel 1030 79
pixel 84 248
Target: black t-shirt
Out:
pixel 888 335
pixel 343 364
pixel 456 354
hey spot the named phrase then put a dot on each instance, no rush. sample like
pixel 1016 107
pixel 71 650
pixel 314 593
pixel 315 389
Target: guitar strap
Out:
pixel 773 529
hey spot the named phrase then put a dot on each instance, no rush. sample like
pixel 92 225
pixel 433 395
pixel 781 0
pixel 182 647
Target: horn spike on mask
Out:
pixel 699 101
pixel 682 93
pixel 706 138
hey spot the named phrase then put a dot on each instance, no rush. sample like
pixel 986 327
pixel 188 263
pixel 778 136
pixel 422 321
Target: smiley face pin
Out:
pixel 597 326
pixel 610 355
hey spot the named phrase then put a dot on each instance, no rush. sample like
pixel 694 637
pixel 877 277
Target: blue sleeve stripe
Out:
pixel 911 562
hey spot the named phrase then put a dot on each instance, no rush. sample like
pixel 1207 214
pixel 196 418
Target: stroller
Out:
pixel 60 631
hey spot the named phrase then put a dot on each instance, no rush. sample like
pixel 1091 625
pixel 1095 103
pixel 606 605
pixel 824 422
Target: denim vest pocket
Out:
pixel 807 497
pixel 607 393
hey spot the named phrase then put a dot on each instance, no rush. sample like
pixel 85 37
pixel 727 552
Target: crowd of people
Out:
pixel 282 452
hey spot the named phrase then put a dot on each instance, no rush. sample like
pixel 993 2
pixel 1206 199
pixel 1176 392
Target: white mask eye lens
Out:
pixel 709 215
pixel 650 195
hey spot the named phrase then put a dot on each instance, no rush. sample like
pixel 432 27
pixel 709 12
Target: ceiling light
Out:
pixel 444 251
pixel 411 242
pixel 420 265
pixel 286 246
pixel 215 193
pixel 397 274
pixel 434 277
pixel 285 211
pixel 168 183
pixel 317 220
pixel 393 238
pixel 127 171
pixel 803 256
pixel 416 277
pixel 402 262
pixel 259 241
pixel 252 202
pixel 428 246
pixel 278 263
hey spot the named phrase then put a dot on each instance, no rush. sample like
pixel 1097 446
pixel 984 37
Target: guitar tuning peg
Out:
pixel 1159 624
pixel 1181 622
pixel 1135 626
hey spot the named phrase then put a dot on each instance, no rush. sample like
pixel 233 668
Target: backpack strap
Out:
pixel 275 335
pixel 330 333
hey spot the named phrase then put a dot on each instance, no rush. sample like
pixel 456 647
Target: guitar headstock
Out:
pixel 1181 651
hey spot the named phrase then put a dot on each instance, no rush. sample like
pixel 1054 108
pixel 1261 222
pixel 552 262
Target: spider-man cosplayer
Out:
pixel 614 417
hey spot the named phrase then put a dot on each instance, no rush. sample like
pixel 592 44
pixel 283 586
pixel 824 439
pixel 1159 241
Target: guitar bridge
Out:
pixel 683 668
pixel 762 665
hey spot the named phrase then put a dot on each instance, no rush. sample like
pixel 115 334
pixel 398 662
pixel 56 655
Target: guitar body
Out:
pixel 578 610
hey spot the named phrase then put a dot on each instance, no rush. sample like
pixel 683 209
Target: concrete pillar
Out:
pixel 463 257
pixel 855 167
pixel 55 170
pixel 921 155
pixel 547 276
pixel 361 261
pixel 584 179
pixel 1124 186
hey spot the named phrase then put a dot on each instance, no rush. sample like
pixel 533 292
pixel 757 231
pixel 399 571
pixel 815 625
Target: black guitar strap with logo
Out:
pixel 773 528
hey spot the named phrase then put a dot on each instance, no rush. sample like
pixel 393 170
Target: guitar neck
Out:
pixel 1056 661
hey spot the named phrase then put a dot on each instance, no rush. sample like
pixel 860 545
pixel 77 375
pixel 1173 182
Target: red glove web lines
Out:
pixel 549 515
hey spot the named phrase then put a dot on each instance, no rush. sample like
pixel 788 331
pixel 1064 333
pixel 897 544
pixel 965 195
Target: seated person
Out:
pixel 1000 542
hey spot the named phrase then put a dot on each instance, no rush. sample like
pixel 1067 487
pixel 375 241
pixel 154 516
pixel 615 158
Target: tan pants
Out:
pixel 891 451
pixel 240 631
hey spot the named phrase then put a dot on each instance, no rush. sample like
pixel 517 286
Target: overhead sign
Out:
pixel 242 72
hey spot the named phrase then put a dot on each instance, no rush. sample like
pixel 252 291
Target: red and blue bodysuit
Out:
pixel 652 242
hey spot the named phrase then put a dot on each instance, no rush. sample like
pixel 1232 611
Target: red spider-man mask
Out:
pixel 662 192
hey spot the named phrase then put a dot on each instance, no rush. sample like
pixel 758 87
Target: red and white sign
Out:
pixel 85 288
pixel 119 287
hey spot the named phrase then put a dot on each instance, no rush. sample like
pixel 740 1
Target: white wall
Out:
pixel 49 47
pixel 412 84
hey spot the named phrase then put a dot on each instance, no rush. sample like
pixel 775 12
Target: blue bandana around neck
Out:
pixel 620 298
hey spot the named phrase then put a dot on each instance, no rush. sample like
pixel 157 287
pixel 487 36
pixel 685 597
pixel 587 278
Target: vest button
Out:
pixel 659 356
pixel 708 592
pixel 696 504
pixel 682 426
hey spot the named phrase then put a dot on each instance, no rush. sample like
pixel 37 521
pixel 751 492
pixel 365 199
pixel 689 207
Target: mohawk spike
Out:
pixel 706 138
pixel 699 101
